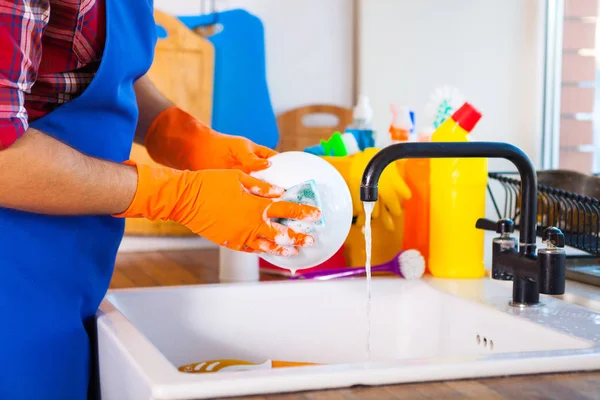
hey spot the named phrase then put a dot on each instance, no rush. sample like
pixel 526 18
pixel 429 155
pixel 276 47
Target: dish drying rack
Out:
pixel 567 200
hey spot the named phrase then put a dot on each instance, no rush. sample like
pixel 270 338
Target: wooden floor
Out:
pixel 168 268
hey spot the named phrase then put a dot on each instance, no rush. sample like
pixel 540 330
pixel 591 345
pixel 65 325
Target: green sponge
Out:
pixel 303 193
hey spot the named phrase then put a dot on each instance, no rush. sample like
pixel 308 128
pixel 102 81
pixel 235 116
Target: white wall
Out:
pixel 492 50
pixel 309 47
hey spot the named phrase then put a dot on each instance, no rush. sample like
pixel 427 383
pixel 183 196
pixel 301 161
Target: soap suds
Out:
pixel 264 246
pixel 287 244
pixel 285 251
pixel 299 226
pixel 308 241
pixel 313 216
pixel 284 239
pixel 288 251
pixel 273 191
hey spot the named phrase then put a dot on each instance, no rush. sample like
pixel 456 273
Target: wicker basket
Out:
pixel 295 135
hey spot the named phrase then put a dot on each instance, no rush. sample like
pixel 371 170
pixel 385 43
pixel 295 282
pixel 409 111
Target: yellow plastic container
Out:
pixel 386 229
pixel 457 200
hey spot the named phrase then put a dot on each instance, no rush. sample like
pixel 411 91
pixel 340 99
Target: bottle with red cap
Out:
pixel 457 201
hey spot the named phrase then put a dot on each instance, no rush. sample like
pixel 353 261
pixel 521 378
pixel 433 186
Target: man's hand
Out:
pixel 228 207
pixel 39 174
pixel 178 140
pixel 236 152
pixel 42 175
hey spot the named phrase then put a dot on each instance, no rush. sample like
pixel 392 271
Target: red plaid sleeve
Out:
pixel 21 25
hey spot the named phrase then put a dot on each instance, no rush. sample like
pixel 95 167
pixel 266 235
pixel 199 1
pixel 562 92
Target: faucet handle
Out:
pixel 502 226
pixel 505 226
pixel 486 224
pixel 553 237
pixel 552 262
pixel 503 244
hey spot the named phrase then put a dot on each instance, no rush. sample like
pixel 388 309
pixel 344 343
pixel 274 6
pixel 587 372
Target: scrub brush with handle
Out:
pixel 408 264
pixel 443 102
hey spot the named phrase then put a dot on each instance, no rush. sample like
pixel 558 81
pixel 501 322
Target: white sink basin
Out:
pixel 421 331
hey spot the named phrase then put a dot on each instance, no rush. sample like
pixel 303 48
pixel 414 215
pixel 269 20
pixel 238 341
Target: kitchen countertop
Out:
pixel 167 268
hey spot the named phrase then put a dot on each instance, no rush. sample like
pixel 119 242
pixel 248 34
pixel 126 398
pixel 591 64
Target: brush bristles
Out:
pixel 412 264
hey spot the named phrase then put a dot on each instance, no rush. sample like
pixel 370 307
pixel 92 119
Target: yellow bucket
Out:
pixel 386 244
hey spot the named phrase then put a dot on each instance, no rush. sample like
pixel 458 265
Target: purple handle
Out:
pixel 340 272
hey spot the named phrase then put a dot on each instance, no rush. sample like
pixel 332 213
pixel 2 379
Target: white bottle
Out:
pixel 361 126
pixel 362 113
pixel 401 125
pixel 238 266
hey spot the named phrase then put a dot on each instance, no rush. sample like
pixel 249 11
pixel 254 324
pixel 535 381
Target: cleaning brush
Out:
pixel 442 104
pixel 408 264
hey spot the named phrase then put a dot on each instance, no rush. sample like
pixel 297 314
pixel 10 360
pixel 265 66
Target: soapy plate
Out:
pixel 291 168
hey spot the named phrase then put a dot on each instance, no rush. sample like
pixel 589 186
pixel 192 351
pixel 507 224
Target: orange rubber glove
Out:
pixel 227 207
pixel 179 140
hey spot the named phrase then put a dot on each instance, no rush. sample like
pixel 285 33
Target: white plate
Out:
pixel 291 168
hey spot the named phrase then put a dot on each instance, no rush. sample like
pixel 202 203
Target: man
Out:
pixel 73 98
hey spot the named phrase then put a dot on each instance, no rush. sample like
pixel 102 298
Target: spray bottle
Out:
pixel 443 103
pixel 402 124
pixel 457 200
pixel 361 125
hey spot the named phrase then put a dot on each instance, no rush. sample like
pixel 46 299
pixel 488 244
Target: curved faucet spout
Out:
pixel 370 179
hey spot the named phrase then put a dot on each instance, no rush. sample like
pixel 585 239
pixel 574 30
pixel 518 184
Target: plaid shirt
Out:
pixel 50 51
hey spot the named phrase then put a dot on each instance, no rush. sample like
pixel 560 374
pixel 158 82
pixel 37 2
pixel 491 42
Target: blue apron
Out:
pixel 56 270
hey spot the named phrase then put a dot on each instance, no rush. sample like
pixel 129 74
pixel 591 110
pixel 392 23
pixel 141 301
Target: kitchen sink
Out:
pixel 422 330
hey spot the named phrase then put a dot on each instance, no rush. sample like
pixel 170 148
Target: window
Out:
pixel 572 135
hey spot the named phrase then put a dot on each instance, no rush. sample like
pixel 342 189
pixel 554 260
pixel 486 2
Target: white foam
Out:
pixel 284 239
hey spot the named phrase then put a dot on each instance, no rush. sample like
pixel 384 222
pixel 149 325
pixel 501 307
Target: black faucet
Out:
pixel 531 273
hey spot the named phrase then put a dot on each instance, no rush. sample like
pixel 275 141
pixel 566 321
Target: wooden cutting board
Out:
pixel 183 70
